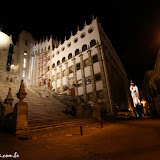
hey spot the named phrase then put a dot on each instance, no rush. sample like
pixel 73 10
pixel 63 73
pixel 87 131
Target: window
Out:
pixel 95 58
pixel 97 77
pixel 64 73
pixel 76 52
pixel 86 62
pixel 24 63
pixel 63 59
pixel 100 94
pixel 42 50
pixel 76 40
pixel 26 42
pixel 57 52
pixel 48 68
pixel 58 75
pixel 62 49
pixel 23 74
pixel 83 35
pixel 53 65
pixel 92 43
pixel 49 47
pixel 70 69
pixel 90 96
pixel 69 44
pixel 58 63
pixel 78 66
pixel 88 80
pixel 90 30
pixel 65 88
pixel 79 82
pixel 70 56
pixel 84 47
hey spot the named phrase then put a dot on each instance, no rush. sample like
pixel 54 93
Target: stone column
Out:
pixel 75 76
pixel 35 71
pixel 55 70
pixel 96 113
pixel 105 80
pixel 83 77
pixel 92 73
pixel 67 77
pixel 61 78
pixel 20 113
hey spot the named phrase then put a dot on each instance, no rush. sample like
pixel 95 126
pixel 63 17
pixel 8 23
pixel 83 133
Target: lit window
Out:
pixel 88 80
pixel 23 74
pixel 25 53
pixel 24 63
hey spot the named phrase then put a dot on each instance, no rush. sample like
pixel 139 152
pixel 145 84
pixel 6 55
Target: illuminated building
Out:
pixel 134 94
pixel 84 65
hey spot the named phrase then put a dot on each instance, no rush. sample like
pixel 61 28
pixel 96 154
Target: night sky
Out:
pixel 132 27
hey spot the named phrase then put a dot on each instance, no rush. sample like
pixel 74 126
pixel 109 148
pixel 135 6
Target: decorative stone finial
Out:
pixel 9 98
pixel 21 94
pixel 77 28
pixel 85 23
pixel 71 33
pixel 65 38
pixel 92 17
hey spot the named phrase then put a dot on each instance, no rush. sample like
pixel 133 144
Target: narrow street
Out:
pixel 137 139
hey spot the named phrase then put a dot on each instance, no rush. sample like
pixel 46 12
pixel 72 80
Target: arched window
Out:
pixel 70 56
pixel 76 52
pixel 58 62
pixel 63 59
pixel 92 43
pixel 49 47
pixel 53 65
pixel 84 47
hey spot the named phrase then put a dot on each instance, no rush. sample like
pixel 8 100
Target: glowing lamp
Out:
pixel 4 39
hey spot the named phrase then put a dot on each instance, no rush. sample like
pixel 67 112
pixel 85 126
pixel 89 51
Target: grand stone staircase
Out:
pixel 39 109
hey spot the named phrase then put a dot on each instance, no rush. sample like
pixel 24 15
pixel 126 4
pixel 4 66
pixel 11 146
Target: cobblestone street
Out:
pixel 137 139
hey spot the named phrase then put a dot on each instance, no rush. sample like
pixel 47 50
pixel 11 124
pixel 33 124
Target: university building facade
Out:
pixel 84 65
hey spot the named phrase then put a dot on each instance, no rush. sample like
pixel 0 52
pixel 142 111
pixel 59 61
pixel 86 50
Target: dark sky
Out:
pixel 133 27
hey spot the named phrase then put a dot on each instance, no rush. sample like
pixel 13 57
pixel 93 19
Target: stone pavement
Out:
pixel 133 140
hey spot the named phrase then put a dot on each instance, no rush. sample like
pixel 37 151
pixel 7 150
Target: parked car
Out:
pixel 124 114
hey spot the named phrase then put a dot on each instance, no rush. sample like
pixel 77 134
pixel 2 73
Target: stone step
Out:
pixel 42 130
